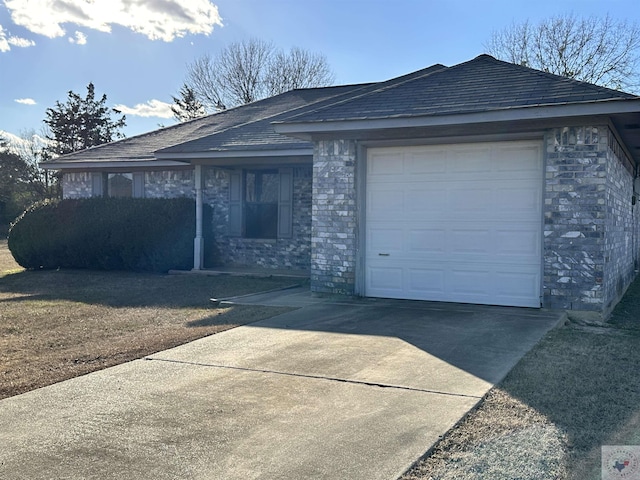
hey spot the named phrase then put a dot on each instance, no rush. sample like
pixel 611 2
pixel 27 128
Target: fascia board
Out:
pixel 106 164
pixel 236 154
pixel 306 129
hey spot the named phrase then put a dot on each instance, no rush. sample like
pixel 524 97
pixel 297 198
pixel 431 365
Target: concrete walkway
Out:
pixel 337 389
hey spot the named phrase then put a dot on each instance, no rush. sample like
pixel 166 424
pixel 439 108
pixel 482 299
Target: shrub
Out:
pixel 106 233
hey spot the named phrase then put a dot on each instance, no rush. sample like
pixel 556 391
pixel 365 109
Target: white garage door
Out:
pixel 455 223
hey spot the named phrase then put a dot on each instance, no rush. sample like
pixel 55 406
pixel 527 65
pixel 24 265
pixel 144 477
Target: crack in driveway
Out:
pixel 316 377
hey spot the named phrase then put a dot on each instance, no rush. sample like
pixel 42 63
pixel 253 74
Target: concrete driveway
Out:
pixel 337 389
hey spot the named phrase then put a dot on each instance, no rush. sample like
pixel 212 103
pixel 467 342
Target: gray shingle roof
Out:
pixel 479 85
pixel 258 133
pixel 248 125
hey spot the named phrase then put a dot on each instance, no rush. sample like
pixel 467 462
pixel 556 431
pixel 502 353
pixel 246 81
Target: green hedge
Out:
pixel 106 233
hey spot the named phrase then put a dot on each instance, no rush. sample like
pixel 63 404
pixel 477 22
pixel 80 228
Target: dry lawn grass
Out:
pixel 55 325
pixel 577 390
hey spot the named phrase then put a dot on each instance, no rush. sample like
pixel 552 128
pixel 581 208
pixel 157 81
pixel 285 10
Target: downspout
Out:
pixel 198 242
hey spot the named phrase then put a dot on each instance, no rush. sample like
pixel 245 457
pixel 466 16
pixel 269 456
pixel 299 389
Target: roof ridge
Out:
pixel 266 117
pixel 386 85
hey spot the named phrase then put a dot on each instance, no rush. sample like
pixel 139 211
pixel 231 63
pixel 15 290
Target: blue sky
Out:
pixel 137 51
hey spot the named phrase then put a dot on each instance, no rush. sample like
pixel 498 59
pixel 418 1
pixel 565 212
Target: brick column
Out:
pixel 574 218
pixel 334 217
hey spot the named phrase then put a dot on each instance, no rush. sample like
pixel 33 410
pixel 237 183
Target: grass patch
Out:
pixel 55 325
pixel 577 390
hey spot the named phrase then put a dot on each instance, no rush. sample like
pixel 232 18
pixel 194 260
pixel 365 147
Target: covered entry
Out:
pixel 455 223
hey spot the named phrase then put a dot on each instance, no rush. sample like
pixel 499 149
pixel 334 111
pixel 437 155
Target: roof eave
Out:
pixel 290 152
pixel 107 164
pixel 306 130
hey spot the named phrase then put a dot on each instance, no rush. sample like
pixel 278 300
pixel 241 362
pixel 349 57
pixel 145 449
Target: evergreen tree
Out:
pixel 187 107
pixel 81 123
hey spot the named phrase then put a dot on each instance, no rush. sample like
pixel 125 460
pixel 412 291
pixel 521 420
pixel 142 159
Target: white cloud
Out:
pixel 79 38
pixel 21 42
pixel 23 144
pixel 4 43
pixel 25 101
pixel 153 108
pixel 7 42
pixel 156 19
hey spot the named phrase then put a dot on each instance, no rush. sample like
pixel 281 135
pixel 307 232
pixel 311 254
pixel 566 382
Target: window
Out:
pixel 260 203
pixel 117 184
pixel 120 185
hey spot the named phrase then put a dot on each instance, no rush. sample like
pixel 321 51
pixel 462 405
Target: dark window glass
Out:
pixel 120 184
pixel 261 203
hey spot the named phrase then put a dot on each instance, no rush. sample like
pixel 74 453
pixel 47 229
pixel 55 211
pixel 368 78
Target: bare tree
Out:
pixel 22 181
pixel 42 183
pixel 597 50
pixel 252 69
pixel 297 69
pixel 203 80
pixel 242 69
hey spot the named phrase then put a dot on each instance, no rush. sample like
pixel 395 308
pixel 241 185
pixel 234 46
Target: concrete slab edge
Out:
pixel 215 273
pixel 433 447
pixel 563 320
pixel 230 300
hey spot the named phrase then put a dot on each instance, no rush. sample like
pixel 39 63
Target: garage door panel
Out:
pixel 470 282
pixel 457 223
pixel 426 283
pixel 519 159
pixel 474 244
pixel 386 201
pixel 431 161
pixel 464 160
pixel 514 283
pixel 426 240
pixel 384 240
pixel 386 279
pixel 523 243
pixel 385 163
pixel 467 202
pixel 518 199
pixel 432 199
pixel 466 241
pixel 457 283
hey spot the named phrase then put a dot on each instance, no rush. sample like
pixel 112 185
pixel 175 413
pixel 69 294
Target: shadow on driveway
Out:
pixel 352 389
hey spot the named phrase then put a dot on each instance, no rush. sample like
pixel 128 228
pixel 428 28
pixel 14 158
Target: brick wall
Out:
pixel 334 219
pixel 621 220
pixel 215 192
pixel 574 217
pixel 157 184
pixel 286 253
pixel 589 251
pixel 169 184
pixel 76 185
